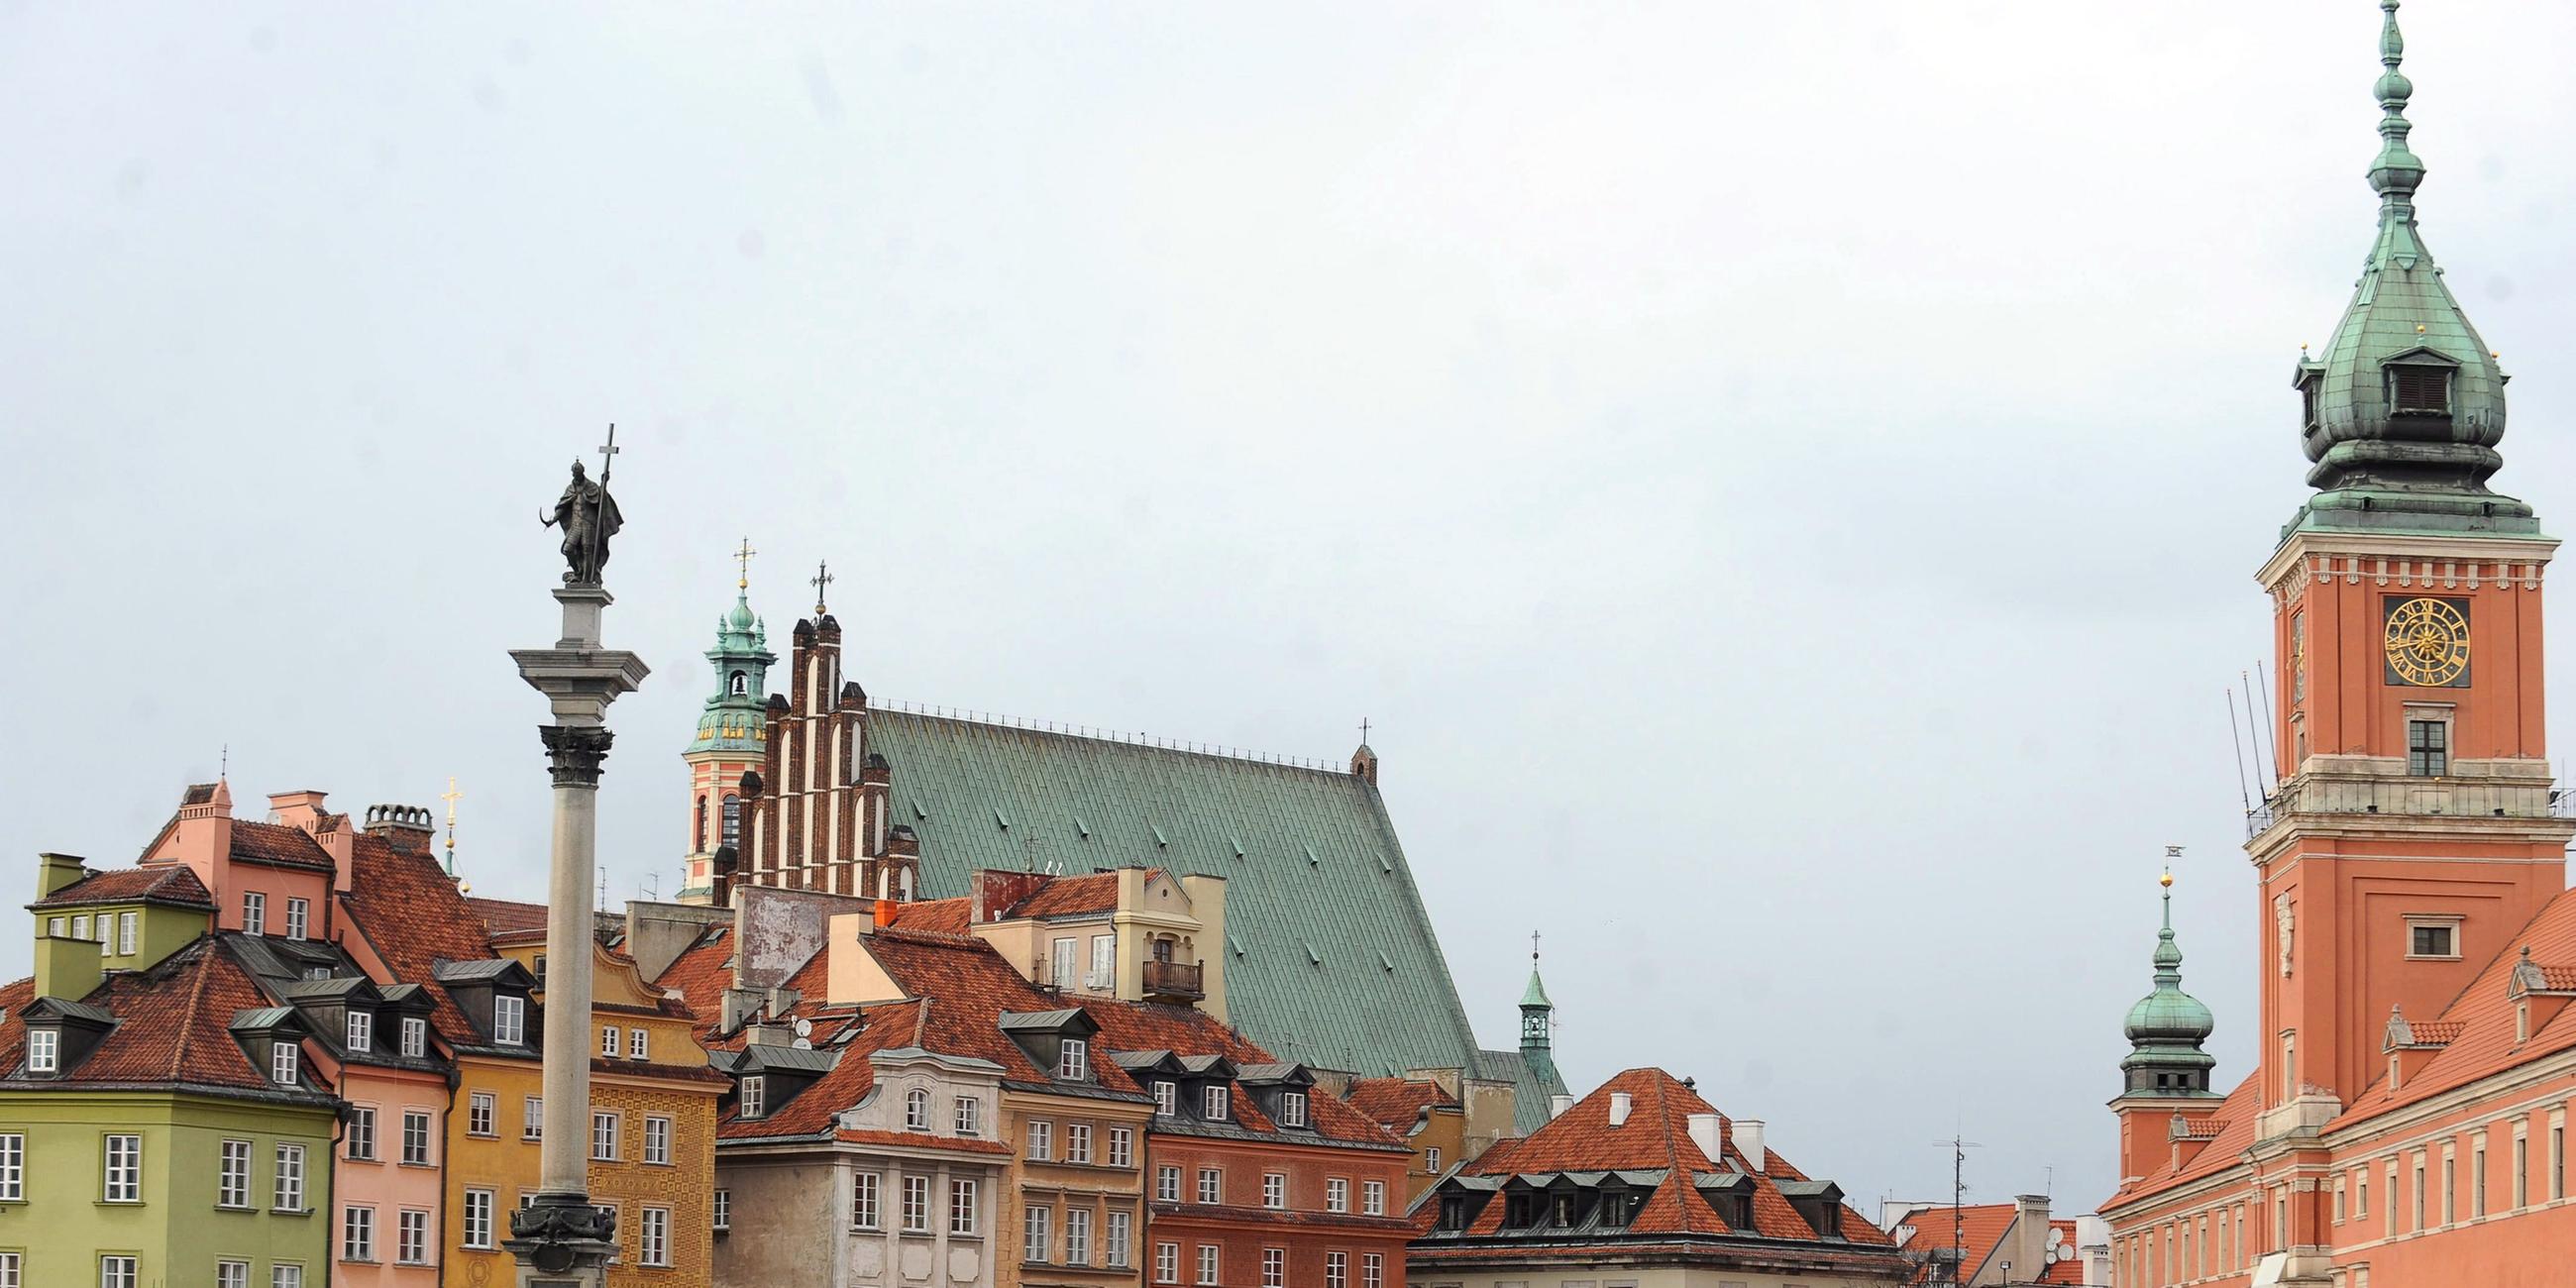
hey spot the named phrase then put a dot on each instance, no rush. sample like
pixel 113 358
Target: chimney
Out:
pixel 404 827
pixel 771 1033
pixel 66 967
pixel 783 999
pixel 297 809
pixel 1703 1133
pixel 885 910
pixel 55 871
pixel 2029 1246
pixel 202 837
pixel 1618 1107
pixel 1558 1104
pixel 1748 1142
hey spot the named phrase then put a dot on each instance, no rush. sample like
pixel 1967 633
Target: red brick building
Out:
pixel 2406 1120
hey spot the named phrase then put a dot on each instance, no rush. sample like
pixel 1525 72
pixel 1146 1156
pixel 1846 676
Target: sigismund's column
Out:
pixel 561 1239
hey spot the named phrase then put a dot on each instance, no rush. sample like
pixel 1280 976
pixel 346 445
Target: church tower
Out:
pixel 2408 829
pixel 2166 1072
pixel 1538 1047
pixel 732 738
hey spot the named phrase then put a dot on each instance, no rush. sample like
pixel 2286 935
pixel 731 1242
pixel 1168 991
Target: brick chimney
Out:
pixel 404 827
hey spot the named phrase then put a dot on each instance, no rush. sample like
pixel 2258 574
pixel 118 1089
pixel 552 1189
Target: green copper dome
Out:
pixel 732 719
pixel 2402 412
pixel 2167 1026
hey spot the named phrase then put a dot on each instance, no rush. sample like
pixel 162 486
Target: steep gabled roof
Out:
pixel 1398 1104
pixel 409 911
pixel 172 885
pixel 1655 1137
pixel 277 845
pixel 172 1029
pixel 1309 856
pixel 1067 897
pixel 508 916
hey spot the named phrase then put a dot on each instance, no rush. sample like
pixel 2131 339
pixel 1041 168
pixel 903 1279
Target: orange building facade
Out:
pixel 2406 1119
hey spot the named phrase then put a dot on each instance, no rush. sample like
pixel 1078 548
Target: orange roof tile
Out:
pixel 2235 1119
pixel 508 916
pixel 408 909
pixel 1980 1229
pixel 169 884
pixel 279 846
pixel 1397 1104
pixel 2479 1023
pixel 1067 897
pixel 173 1026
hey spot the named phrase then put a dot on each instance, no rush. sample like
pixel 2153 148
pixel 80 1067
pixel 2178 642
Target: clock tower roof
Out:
pixel 2403 411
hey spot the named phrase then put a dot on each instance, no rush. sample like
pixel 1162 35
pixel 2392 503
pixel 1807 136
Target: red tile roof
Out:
pixel 2235 1119
pixel 408 909
pixel 14 997
pixel 2478 1026
pixel 1979 1230
pixel 1067 897
pixel 1188 1031
pixel 509 916
pixel 279 846
pixel 1656 1135
pixel 1397 1104
pixel 170 884
pixel 173 1025
pixel 934 916
pixel 812 1111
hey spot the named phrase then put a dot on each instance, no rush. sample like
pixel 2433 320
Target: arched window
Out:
pixel 698 833
pixel 916 1110
pixel 741 684
pixel 733 821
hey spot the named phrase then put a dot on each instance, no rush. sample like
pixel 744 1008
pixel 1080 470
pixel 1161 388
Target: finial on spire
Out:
pixel 1533 950
pixel 451 796
pixel 821 582
pixel 2397 171
pixel 224 763
pixel 742 557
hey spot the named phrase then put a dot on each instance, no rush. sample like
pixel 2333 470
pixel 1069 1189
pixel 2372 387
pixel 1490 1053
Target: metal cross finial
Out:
pixel 822 582
pixel 451 796
pixel 1533 948
pixel 742 579
pixel 224 765
pixel 1364 728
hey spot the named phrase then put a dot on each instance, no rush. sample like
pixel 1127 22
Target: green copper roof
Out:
pixel 2379 465
pixel 2167 1026
pixel 1332 960
pixel 732 719
pixel 1536 993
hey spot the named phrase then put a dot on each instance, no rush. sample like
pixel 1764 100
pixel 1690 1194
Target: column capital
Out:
pixel 574 752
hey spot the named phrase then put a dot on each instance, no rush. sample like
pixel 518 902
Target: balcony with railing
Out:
pixel 1173 982
pixel 2526 798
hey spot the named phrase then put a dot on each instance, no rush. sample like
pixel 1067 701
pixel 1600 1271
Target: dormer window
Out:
pixel 1167 1098
pixel 415 1037
pixel 509 1020
pixel 362 1031
pixel 1073 1061
pixel 1216 1103
pixel 44 1047
pixel 285 1063
pixel 2419 389
pixel 1453 1211
pixel 2308 400
pixel 1621 1208
pixel 916 1110
pixel 1292 1109
pixel 755 1096
pixel 1521 1209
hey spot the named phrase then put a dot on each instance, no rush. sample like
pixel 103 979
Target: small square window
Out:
pixel 2433 937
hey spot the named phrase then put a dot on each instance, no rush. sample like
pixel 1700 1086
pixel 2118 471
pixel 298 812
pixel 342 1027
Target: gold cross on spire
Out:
pixel 742 579
pixel 451 796
pixel 822 581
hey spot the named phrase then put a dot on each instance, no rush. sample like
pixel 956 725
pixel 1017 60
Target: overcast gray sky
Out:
pixel 1784 480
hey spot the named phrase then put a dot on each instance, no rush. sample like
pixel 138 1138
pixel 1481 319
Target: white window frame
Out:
pixel 121 1171
pixel 532 1118
pixel 637 1043
pixel 1372 1270
pixel 119 1270
pixel 1216 1102
pixel 1274 1190
pixel 480 1217
pixel 657 1140
pixel 1211 1265
pixel 1337 1194
pixel 360 1139
pixel 754 1095
pixel 1122 1146
pixel 125 935
pixel 1073 1061
pixel 285 1274
pixel 415 1037
pixel 299 915
pixel 1167 1183
pixel 963 1218
pixel 1037 1233
pixel 229 1273
pixel 1372 1198
pixel 358 1232
pixel 2450 922
pixel 509 1020
pixel 1041 1141
pixel 285 1062
pixel 1292 1109
pixel 610 1037
pixel 916 1110
pixel 482 1116
pixel 13 1167
pixel 723 1210
pixel 606 1125
pixel 1167 1098
pixel 411 1237
pixel 1060 963
pixel 1167 1263
pixel 1337 1270
pixel 287 1194
pixel 1104 962
pixel 1077 1143
pixel 1211 1185
pixel 970 1116
pixel 866 1195
pixel 1274 1268
pixel 426 1154
pixel 1077 1236
pixel 916 1205
pixel 44 1050
pixel 1117 1241
pixel 653 1237
pixel 254 913
pixel 232 1174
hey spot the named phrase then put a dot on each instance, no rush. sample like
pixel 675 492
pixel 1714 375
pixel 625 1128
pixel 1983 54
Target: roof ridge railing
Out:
pixel 1099 734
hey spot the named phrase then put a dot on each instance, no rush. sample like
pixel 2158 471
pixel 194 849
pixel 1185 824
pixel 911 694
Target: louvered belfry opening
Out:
pixel 2418 390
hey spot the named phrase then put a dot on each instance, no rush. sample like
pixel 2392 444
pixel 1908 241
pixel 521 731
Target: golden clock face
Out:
pixel 2427 643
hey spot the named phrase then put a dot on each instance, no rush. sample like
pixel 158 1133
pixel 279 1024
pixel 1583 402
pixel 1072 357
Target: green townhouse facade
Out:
pixel 161 1122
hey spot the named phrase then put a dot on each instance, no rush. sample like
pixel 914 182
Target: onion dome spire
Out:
pixel 2403 411
pixel 2167 1027
pixel 733 719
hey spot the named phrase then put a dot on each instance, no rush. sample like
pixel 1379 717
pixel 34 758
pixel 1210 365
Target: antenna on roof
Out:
pixel 2237 746
pixel 1958 1193
pixel 2279 770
